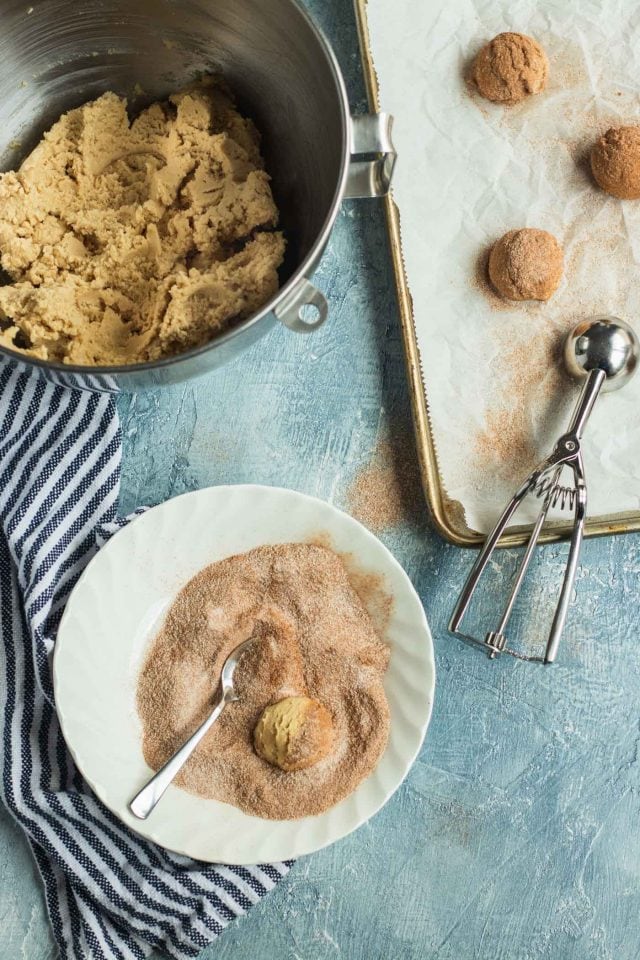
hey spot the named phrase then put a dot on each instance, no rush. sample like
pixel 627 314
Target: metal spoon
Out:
pixel 145 801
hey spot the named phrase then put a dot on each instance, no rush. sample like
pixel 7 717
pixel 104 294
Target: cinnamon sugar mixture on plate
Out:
pixel 314 638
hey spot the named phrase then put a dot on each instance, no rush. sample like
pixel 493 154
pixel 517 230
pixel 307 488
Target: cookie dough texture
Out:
pixel 294 733
pixel 510 68
pixel 129 242
pixel 526 264
pixel 615 162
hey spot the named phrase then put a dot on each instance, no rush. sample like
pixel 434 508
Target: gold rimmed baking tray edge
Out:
pixel 448 515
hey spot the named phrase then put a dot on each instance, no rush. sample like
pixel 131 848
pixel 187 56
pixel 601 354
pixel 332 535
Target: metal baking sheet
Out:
pixel 449 515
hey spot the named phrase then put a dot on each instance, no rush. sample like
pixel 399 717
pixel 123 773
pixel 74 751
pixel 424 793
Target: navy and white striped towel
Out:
pixel 109 893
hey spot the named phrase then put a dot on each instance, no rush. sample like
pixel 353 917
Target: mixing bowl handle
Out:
pixel 291 310
pixel 373 156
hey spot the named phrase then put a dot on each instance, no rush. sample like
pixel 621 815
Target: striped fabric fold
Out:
pixel 110 894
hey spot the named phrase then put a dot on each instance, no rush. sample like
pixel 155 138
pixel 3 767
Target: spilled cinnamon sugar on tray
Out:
pixel 506 447
pixel 313 638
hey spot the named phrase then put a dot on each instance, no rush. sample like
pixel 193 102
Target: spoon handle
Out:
pixel 145 801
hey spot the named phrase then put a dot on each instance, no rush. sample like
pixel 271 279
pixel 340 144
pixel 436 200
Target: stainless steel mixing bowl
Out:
pixel 57 54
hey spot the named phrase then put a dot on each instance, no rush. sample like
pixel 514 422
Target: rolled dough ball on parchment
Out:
pixel 526 264
pixel 510 68
pixel 615 162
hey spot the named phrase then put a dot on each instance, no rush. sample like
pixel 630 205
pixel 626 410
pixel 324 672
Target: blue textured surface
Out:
pixel 516 833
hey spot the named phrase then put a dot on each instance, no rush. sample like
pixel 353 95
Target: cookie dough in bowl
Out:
pixel 128 242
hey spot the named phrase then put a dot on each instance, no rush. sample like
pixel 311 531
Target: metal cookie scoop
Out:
pixel 605 351
pixel 145 801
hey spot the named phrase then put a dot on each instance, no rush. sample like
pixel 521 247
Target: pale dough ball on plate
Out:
pixel 294 733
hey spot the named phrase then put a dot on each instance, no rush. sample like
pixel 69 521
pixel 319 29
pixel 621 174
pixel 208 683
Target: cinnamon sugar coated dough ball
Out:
pixel 294 733
pixel 526 264
pixel 615 162
pixel 509 68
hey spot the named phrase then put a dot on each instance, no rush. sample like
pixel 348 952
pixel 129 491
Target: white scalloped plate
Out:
pixel 116 608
